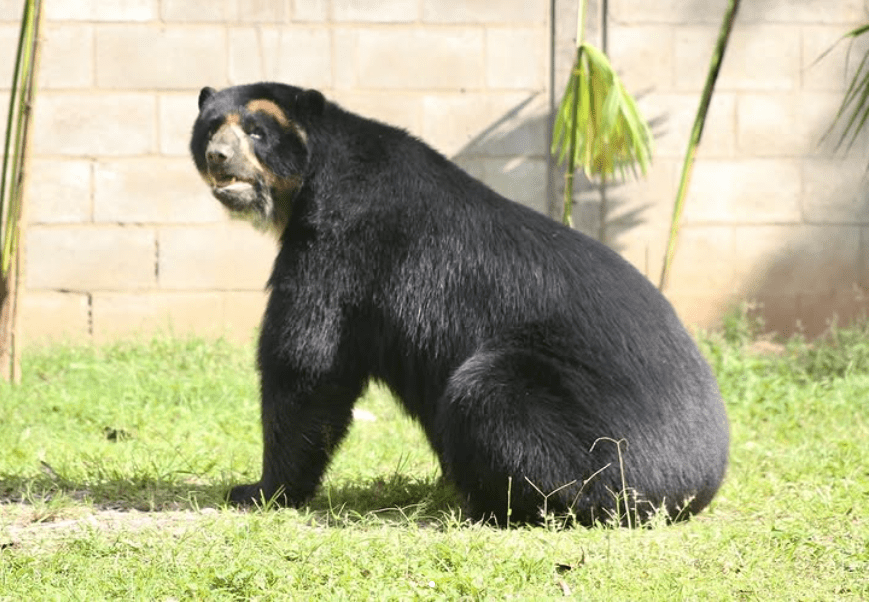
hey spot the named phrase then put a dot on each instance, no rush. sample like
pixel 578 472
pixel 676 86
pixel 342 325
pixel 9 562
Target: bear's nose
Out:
pixel 217 154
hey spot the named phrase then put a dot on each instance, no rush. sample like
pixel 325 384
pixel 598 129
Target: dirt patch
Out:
pixel 25 526
pixel 764 347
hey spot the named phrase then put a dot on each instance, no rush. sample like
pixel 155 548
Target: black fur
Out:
pixel 525 349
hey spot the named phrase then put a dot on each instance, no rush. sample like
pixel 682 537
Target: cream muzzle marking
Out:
pixel 237 178
pixel 240 181
pixel 230 157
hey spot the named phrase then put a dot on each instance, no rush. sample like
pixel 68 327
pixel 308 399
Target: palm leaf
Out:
pixel 854 110
pixel 610 132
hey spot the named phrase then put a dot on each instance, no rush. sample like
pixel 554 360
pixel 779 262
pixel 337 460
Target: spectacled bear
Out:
pixel 536 359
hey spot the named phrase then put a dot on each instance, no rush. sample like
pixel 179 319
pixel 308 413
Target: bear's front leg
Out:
pixel 301 429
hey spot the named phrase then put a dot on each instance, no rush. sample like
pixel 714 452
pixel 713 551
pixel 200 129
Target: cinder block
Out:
pixel 700 311
pixel 863 261
pixel 82 258
pixel 785 125
pixel 473 165
pixel 835 191
pixel 586 206
pixel 420 58
pixel 751 191
pixel 11 10
pixel 59 191
pixel 182 58
pixel 49 316
pixel 177 113
pixel 226 257
pixel 638 215
pixel 152 190
pixel 644 200
pixel 521 179
pixel 398 109
pixel 779 313
pixel 194 11
pixel 66 59
pixel 483 11
pixel 454 123
pixel 692 51
pixel 83 124
pixel 642 55
pixel 564 54
pixel 516 58
pixel 345 41
pixel 671 118
pixel 301 56
pixel 703 262
pixel 242 313
pixel 259 11
pixel 124 315
pixel 98 10
pixel 385 11
pixel 564 21
pixel 796 259
pixel 310 11
pixel 829 63
pixel 761 57
pixel 817 313
pixel 664 11
pixel 642 245
pixel 4 102
pixel 8 46
pixel 842 12
pixel 508 127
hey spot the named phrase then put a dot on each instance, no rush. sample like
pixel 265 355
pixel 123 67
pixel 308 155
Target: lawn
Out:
pixel 114 461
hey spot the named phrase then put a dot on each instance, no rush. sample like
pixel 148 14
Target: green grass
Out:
pixel 114 461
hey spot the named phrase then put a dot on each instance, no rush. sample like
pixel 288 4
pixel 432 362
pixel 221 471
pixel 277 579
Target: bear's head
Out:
pixel 250 144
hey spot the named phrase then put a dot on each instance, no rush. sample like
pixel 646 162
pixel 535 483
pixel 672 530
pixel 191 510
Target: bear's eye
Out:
pixel 256 133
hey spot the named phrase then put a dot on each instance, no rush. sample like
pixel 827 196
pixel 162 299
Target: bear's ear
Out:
pixel 311 101
pixel 204 94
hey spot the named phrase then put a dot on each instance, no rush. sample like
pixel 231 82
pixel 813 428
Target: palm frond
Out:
pixel 611 135
pixel 853 113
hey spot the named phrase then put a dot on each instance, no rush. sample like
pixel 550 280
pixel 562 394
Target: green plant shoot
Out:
pixel 598 127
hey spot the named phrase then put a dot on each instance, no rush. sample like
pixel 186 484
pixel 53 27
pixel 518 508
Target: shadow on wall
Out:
pixel 809 276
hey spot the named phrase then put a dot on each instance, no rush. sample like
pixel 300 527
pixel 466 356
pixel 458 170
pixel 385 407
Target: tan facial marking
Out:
pixel 261 105
pixel 269 108
pixel 245 147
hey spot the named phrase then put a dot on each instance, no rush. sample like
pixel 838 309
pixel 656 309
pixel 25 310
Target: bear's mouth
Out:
pixel 232 186
pixel 235 194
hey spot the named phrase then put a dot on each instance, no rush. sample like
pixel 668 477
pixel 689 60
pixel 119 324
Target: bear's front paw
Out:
pixel 255 494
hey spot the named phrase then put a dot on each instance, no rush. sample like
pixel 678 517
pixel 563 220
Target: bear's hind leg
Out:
pixel 512 439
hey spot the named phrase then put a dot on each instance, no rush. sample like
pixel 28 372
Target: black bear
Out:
pixel 535 358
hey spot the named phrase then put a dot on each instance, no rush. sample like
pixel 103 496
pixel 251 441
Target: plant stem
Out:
pixel 567 216
pixel 20 57
pixel 12 183
pixel 696 133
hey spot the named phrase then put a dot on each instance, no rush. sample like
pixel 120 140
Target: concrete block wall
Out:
pixel 123 238
pixel 773 214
